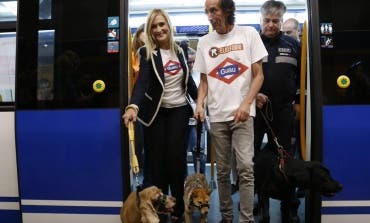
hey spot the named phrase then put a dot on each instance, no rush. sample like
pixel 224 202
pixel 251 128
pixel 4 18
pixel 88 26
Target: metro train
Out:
pixel 64 80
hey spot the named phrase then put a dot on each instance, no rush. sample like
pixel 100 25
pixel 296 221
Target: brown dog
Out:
pixel 146 205
pixel 196 196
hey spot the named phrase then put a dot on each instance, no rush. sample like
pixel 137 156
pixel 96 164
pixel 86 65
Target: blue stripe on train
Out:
pixel 10 216
pixel 70 210
pixel 346 210
pixel 69 154
pixel 346 143
pixel 9 199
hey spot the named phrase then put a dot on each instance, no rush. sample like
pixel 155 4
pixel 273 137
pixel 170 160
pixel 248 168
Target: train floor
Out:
pixel 214 215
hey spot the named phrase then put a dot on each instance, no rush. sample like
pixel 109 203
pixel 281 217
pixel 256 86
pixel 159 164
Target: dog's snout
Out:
pixel 204 210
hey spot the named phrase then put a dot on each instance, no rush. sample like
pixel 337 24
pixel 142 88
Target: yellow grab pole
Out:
pixel 130 70
pixel 302 105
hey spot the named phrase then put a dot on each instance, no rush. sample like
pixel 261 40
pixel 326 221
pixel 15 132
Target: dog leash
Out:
pixel 133 161
pixel 199 151
pixel 282 153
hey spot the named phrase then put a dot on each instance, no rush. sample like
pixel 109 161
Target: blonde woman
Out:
pixel 159 103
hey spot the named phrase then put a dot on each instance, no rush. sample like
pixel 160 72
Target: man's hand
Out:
pixel 261 100
pixel 242 113
pixel 199 113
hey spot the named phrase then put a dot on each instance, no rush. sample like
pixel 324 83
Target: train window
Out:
pixel 346 65
pixel 8 11
pixel 44 9
pixel 60 62
pixel 45 68
pixel 7 67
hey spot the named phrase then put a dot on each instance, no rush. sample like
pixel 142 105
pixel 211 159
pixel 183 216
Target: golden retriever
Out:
pixel 144 206
pixel 196 196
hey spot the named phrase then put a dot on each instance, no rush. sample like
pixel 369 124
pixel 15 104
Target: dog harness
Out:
pixel 161 204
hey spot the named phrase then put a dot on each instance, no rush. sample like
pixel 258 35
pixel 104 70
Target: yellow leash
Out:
pixel 302 96
pixel 133 161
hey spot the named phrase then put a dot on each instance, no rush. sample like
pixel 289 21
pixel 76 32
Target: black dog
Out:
pixel 271 182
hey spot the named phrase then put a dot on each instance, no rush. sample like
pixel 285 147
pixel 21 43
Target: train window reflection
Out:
pixel 7 67
pixel 44 9
pixel 45 66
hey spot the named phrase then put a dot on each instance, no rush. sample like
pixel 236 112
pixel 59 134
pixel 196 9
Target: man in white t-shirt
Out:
pixel 230 62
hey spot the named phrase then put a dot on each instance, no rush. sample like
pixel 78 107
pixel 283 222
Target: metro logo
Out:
pixel 228 70
pixel 172 67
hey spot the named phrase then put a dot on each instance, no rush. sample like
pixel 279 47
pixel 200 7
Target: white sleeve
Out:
pixel 199 63
pixel 258 49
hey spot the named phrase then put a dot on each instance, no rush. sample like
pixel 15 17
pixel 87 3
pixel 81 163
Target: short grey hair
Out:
pixel 272 7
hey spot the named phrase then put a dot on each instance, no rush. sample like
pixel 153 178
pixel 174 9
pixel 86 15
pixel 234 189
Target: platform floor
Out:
pixel 214 215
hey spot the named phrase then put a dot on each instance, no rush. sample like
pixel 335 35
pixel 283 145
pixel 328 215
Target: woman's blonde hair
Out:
pixel 151 43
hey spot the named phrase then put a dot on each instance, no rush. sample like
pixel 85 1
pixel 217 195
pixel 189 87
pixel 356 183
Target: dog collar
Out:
pixel 161 202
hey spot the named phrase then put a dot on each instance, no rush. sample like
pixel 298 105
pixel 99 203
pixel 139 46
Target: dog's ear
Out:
pixel 297 173
pixel 146 206
pixel 148 212
pixel 209 191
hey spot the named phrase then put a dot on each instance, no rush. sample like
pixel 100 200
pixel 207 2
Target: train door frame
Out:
pixel 124 69
pixel 313 199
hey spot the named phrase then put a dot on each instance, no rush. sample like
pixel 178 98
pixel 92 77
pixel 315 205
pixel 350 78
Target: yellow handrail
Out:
pixel 302 97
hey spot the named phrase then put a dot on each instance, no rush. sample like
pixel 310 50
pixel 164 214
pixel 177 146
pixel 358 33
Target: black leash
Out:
pixel 282 153
pixel 199 151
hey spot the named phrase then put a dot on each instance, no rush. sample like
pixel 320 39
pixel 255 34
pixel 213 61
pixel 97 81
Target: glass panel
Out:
pixel 63 58
pixel 346 59
pixel 8 11
pixel 82 54
pixel 45 68
pixel 7 67
pixel 44 9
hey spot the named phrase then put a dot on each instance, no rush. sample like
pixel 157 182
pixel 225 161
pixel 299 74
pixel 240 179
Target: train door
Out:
pixel 70 87
pixel 340 89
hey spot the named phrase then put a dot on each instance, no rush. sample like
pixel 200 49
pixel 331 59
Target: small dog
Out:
pixel 144 206
pixel 196 196
pixel 271 182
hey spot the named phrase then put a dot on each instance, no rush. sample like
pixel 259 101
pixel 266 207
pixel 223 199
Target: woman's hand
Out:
pixel 130 115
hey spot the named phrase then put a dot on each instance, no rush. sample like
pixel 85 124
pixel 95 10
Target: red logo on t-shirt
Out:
pixel 172 67
pixel 228 70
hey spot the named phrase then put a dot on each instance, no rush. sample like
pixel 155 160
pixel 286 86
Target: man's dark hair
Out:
pixel 228 6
